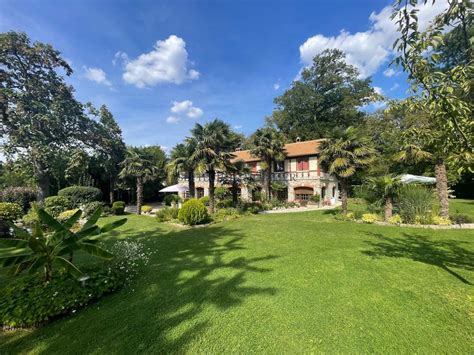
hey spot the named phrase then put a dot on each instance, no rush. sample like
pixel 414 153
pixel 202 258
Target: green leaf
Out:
pixel 70 267
pixel 96 251
pixel 93 219
pixel 36 245
pixel 72 220
pixel 7 253
pixel 47 219
pixel 113 225
pixel 39 262
pixel 19 232
pixel 11 242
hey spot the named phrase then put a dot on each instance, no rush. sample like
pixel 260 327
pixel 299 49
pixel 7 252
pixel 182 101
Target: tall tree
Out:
pixel 328 95
pixel 39 115
pixel 141 167
pixel 386 187
pixel 182 162
pixel 441 83
pixel 268 145
pixel 214 143
pixel 345 153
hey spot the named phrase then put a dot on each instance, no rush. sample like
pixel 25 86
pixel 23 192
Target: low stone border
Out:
pixel 426 226
pixel 301 209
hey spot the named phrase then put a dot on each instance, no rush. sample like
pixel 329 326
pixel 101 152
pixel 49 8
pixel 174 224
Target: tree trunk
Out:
pixel 388 208
pixel 48 272
pixel 212 178
pixel 442 187
pixel 235 197
pixel 139 194
pixel 344 195
pixel 111 191
pixel 269 180
pixel 42 179
pixel 191 185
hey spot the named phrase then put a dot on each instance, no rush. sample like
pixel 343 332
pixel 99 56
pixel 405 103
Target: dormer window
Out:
pixel 302 163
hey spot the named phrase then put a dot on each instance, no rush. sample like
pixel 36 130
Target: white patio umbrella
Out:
pixel 408 179
pixel 175 188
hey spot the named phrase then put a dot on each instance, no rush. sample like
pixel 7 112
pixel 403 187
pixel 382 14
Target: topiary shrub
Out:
pixel 169 199
pixel 79 195
pixel 205 200
pixel 21 195
pixel 89 208
pixel 167 214
pixel 193 212
pixel 118 208
pixel 57 204
pixel 146 209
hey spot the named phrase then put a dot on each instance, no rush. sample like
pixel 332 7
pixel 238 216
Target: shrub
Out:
pixel 146 209
pixel 316 198
pixel 225 203
pixel 221 193
pixel 226 214
pixel 193 212
pixel 64 216
pixel 30 302
pixel 57 204
pixel 424 219
pixel 169 199
pixel 251 207
pixel 89 208
pixel 118 208
pixel 441 221
pixel 370 218
pixel 395 219
pixel 10 211
pixel 20 195
pixel 205 200
pixel 79 195
pixel 460 218
pixel 414 202
pixel 167 214
pixel 350 216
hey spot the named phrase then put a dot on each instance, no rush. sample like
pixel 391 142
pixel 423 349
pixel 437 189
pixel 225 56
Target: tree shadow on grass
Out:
pixel 444 254
pixel 190 271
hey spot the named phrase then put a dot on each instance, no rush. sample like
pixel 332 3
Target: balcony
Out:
pixel 276 176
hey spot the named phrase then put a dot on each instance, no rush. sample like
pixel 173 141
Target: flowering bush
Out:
pixel 441 221
pixel 395 219
pixel 129 257
pixel 370 218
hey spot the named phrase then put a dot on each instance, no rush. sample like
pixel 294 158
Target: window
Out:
pixel 303 193
pixel 302 163
pixel 279 166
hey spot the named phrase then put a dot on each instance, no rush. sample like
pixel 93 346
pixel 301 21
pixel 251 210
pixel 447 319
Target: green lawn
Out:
pixel 281 283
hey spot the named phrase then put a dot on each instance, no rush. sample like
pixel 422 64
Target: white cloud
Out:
pixel 120 57
pixel 389 72
pixel 172 119
pixel 186 108
pixel 378 90
pixel 276 86
pixel 237 126
pixel 370 49
pixel 97 75
pixel 395 86
pixel 166 63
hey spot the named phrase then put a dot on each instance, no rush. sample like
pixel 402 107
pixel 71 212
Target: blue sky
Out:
pixel 161 66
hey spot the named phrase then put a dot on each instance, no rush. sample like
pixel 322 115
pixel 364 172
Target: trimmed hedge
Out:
pixel 10 211
pixel 57 204
pixel 118 208
pixel 193 212
pixel 21 195
pixel 79 195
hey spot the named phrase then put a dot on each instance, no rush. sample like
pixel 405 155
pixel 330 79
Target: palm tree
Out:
pixel 386 187
pixel 137 165
pixel 343 155
pixel 182 162
pixel 214 142
pixel 268 146
pixel 239 173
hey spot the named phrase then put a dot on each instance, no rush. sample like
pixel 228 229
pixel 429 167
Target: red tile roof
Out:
pixel 297 149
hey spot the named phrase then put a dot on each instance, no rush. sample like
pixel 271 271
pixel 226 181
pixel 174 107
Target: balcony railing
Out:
pixel 276 176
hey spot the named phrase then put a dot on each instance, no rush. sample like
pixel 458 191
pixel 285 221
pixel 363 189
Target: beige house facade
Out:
pixel 300 175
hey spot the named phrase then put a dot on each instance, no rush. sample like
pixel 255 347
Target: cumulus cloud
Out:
pixel 370 49
pixel 389 72
pixel 120 57
pixel 186 108
pixel 166 63
pixel 172 119
pixel 378 90
pixel 97 75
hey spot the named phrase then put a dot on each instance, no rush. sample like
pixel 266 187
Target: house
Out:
pixel 299 175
